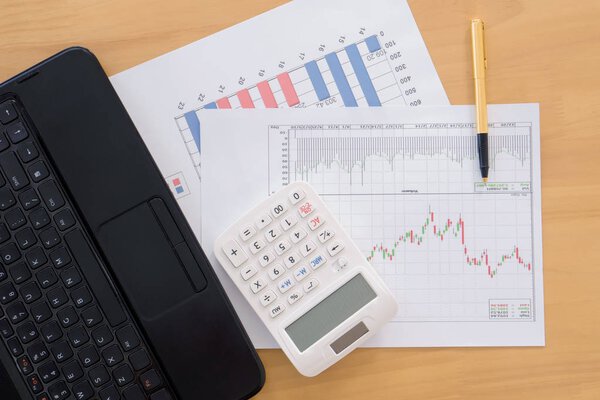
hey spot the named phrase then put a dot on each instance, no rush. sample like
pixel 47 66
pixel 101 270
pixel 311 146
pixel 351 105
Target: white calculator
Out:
pixel 305 278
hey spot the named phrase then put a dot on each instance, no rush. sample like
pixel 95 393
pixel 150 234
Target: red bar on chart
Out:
pixel 291 97
pixel 223 103
pixel 245 99
pixel 267 94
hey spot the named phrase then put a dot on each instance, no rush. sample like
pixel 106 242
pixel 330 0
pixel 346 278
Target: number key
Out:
pixel 276 271
pixel 278 209
pixel 297 235
pixel 272 234
pixel 288 222
pixel 291 260
pixel 266 258
pixel 257 246
pixel 296 195
pixel 282 246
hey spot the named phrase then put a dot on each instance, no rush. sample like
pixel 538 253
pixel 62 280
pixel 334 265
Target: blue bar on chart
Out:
pixel 194 124
pixel 340 80
pixel 211 106
pixel 362 75
pixel 317 80
pixel 373 43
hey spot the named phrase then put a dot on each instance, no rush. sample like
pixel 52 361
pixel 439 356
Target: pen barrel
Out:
pixel 482 149
pixel 481 105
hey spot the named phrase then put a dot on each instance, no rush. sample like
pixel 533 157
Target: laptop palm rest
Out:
pixel 150 259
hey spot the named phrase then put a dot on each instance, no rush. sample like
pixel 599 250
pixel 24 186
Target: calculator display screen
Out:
pixel 331 312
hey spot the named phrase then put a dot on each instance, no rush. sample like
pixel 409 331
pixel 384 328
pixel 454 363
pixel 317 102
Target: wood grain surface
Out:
pixel 545 51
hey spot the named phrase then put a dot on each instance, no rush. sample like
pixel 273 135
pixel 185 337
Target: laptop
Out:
pixel 104 291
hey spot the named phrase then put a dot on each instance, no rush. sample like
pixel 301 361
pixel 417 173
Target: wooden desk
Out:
pixel 539 51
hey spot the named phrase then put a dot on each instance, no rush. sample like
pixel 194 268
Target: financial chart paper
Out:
pixel 463 258
pixel 304 54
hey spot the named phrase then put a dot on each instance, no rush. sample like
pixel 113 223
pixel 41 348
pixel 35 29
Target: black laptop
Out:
pixel 104 291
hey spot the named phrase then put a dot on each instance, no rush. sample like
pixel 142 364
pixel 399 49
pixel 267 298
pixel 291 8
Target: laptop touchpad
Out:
pixel 152 270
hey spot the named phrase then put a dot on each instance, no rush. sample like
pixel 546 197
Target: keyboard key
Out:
pixel 150 380
pixel 112 355
pixel 13 170
pixel 257 285
pixel 58 391
pixel 3 274
pixel 315 222
pixel 8 113
pixel 49 237
pixel 14 346
pixel 325 234
pixel 95 277
pixel 25 238
pixel 306 209
pixel 19 273
pixel 51 332
pixel 16 313
pixel 6 198
pixel 30 292
pixel 7 293
pixel 102 335
pixel 70 277
pixel 39 218
pixel 4 233
pixel 46 277
pixel 67 316
pixel 134 393
pixel 310 285
pixel 57 297
pixel 334 248
pixel 294 296
pixel 78 336
pixel 99 376
pixel 38 352
pixel 15 218
pixel 38 171
pixel 266 258
pixel 278 209
pixel 88 356
pixel 257 246
pixel 109 393
pixel 24 365
pixel 35 257
pixel 123 375
pixel 247 232
pixel 34 384
pixel 285 284
pixel 248 272
pixel 64 219
pixel 72 371
pixel 60 257
pixel 27 151
pixel 297 235
pixel 317 261
pixel 48 371
pixel 276 310
pixel 43 396
pixel 91 316
pixel 9 253
pixel 81 296
pixel 4 144
pixel 272 234
pixel 291 259
pixel 234 253
pixel 296 195
pixel 83 390
pixel 263 221
pixel 17 132
pixel 139 359
pixel 267 297
pixel 128 338
pixel 29 199
pixel 162 394
pixel 27 332
pixel 307 247
pixel 276 271
pixel 289 222
pixel 62 352
pixel 5 329
pixel 51 195
pixel 41 312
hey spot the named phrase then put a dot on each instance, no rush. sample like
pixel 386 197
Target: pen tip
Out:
pixel 485 180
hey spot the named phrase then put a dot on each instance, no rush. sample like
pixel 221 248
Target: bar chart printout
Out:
pixel 462 258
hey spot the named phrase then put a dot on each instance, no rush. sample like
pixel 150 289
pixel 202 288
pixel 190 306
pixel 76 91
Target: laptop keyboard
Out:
pixel 60 318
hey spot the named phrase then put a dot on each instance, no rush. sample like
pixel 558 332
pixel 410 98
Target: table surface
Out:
pixel 538 51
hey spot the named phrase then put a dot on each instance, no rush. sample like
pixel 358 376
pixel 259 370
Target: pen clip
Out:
pixel 484 46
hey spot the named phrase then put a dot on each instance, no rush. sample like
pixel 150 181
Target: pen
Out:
pixel 479 67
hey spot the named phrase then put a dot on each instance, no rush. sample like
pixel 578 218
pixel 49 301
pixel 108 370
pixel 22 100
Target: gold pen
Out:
pixel 479 67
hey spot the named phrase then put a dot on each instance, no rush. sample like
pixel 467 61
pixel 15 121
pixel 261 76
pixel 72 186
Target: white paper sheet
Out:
pixel 276 59
pixel 463 259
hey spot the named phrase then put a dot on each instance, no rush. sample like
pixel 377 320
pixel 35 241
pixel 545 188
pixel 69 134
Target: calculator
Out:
pixel 305 278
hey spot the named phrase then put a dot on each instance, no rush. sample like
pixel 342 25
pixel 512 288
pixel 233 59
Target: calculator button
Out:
pixel 307 248
pixel 310 285
pixel 248 272
pixel 317 261
pixel 341 264
pixel 263 221
pixel 297 235
pixel 285 284
pixel 247 232
pixel 257 246
pixel 291 259
pixel 266 258
pixel 257 285
pixel 294 296
pixel 301 273
pixel 289 221
pixel 278 209
pixel 276 310
pixel 272 234
pixel 306 209
pixel 335 248
pixel 296 195
pixel 282 246
pixel 267 297
pixel 234 252
pixel 315 222
pixel 325 234
pixel 276 271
